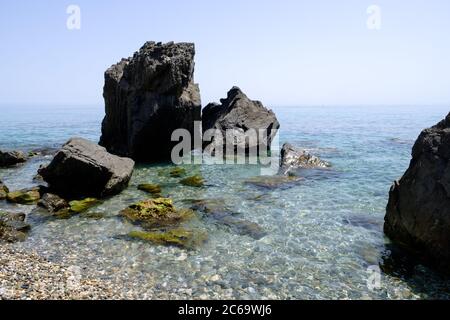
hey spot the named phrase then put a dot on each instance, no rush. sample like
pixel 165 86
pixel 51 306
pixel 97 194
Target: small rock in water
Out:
pixel 293 158
pixel 26 196
pixel 156 213
pixel 150 188
pixel 52 202
pixel 13 227
pixel 179 237
pixel 3 191
pixel 11 158
pixel 194 181
pixel 274 182
pixel 78 206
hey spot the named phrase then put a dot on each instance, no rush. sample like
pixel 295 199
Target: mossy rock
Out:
pixel 194 181
pixel 3 191
pixel 179 237
pixel 27 197
pixel 150 188
pixel 78 206
pixel 156 212
pixel 63 214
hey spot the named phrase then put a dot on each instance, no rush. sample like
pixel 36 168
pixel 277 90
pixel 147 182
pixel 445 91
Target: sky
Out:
pixel 284 53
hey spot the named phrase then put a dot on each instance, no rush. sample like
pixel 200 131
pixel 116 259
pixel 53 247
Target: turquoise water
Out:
pixel 323 232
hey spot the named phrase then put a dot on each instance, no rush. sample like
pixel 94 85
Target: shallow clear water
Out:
pixel 323 232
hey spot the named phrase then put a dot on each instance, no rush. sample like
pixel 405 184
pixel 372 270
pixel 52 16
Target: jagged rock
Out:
pixel 10 158
pixel 13 227
pixel 156 213
pixel 147 97
pixel 293 158
pixel 236 115
pixel 52 203
pixel 418 212
pixel 3 191
pixel 84 169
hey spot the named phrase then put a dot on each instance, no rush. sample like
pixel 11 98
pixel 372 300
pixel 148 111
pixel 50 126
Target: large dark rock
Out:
pixel 147 97
pixel 10 158
pixel 418 212
pixel 82 169
pixel 293 158
pixel 237 114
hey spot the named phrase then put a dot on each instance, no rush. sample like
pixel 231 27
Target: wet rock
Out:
pixel 418 211
pixel 3 191
pixel 216 210
pixel 244 227
pixel 25 196
pixel 10 158
pixel 194 181
pixel 237 114
pixel 179 237
pixel 273 182
pixel 150 188
pixel 78 206
pixel 52 203
pixel 293 158
pixel 13 227
pixel 147 97
pixel 154 213
pixel 83 169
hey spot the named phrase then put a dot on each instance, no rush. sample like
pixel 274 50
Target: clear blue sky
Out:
pixel 289 52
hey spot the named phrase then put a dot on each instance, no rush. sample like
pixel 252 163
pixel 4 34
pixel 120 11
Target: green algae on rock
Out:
pixel 92 215
pixel 194 181
pixel 179 237
pixel 150 188
pixel 26 196
pixel 177 172
pixel 156 212
pixel 78 206
pixel 3 191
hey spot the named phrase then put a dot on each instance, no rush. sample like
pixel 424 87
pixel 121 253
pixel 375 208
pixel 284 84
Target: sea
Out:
pixel 323 234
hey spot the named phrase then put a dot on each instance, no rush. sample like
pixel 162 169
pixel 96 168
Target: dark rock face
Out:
pixel 293 158
pixel 82 169
pixel 237 112
pixel 418 212
pixel 147 97
pixel 11 158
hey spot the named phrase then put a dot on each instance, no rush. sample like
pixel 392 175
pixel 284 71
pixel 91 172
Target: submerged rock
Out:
pixel 273 182
pixel 194 181
pixel 78 206
pixel 25 196
pixel 10 158
pixel 179 237
pixel 418 212
pixel 216 210
pixel 177 172
pixel 147 97
pixel 83 169
pixel 293 158
pixel 237 114
pixel 13 227
pixel 156 213
pixel 3 191
pixel 150 188
pixel 52 203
